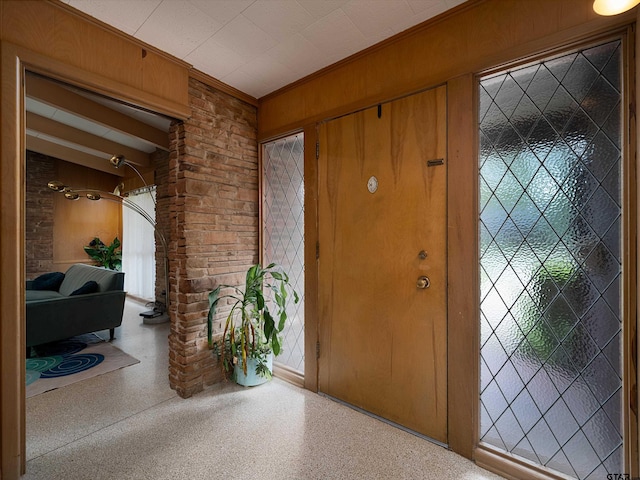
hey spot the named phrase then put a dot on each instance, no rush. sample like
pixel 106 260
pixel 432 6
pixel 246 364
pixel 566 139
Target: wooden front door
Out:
pixel 382 226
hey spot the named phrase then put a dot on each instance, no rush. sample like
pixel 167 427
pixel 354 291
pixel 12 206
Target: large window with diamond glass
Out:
pixel 550 262
pixel 283 233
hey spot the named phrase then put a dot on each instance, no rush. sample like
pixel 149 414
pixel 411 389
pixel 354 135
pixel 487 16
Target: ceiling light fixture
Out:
pixel 613 7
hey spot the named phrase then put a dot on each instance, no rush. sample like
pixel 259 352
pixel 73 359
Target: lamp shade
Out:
pixel 118 160
pixel 71 195
pixel 613 7
pixel 56 186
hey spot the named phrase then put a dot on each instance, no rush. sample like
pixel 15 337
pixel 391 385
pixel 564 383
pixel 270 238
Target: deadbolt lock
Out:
pixel 423 282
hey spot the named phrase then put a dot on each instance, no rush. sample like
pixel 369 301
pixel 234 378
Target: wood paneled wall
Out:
pixel 57 228
pixel 61 34
pixel 475 38
pixel 77 222
pixel 478 35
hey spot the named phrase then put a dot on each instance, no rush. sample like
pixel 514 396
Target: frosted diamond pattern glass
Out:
pixel 283 233
pixel 550 263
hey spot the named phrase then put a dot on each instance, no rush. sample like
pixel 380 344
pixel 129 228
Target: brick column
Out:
pixel 40 169
pixel 212 209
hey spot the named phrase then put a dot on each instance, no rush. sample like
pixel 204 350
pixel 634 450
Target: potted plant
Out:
pixel 251 332
pixel 108 256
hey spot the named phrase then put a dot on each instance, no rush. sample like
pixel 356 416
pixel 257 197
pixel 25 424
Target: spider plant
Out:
pixel 251 330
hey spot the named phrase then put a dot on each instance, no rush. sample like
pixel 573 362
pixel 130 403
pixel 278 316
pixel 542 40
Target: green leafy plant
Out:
pixel 251 330
pixel 109 256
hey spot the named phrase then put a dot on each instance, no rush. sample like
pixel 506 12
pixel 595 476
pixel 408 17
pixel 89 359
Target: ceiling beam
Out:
pixel 59 130
pixel 45 147
pixel 56 96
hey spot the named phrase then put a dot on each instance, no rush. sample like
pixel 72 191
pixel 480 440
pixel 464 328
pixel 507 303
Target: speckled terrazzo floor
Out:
pixel 129 424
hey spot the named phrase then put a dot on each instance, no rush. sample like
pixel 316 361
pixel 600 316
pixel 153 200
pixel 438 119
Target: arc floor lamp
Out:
pixel 71 193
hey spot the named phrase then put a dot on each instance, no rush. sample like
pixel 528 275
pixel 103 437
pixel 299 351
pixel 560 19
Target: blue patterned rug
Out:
pixel 62 363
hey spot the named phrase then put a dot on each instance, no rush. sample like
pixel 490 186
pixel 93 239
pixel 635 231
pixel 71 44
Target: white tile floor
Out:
pixel 129 424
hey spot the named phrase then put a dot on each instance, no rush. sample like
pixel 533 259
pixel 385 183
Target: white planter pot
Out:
pixel 251 379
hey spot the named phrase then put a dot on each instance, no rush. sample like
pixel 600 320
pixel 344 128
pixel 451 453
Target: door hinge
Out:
pixel 317 250
pixel 317 349
pixel 317 150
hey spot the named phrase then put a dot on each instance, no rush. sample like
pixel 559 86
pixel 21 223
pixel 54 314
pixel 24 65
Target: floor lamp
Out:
pixel 95 195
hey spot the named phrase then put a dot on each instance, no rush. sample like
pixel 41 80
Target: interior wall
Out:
pixel 212 190
pixel 40 169
pixel 58 33
pixel 474 38
pixel 478 35
pixel 160 160
pixel 57 229
pixel 77 222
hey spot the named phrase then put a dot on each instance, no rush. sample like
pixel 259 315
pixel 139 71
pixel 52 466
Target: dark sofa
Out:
pixel 57 314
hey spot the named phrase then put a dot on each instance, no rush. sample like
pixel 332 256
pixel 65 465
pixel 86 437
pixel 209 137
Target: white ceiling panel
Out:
pixel 270 72
pixel 336 35
pixel 129 141
pixel 320 9
pixel 269 17
pixel 125 15
pixel 299 54
pixel 80 123
pixel 215 59
pixel 244 37
pixel 42 109
pixel 244 83
pixel 222 11
pixel 375 19
pixel 72 145
pixel 223 38
pixel 177 27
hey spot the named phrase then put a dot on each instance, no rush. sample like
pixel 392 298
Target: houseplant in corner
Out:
pixel 252 332
pixel 108 256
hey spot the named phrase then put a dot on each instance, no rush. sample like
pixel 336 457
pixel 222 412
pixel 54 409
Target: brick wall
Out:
pixel 160 161
pixel 212 211
pixel 40 169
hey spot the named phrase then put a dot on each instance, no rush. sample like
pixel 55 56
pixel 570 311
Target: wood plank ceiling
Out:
pixel 84 128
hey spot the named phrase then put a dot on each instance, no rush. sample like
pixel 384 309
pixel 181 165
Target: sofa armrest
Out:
pixel 64 317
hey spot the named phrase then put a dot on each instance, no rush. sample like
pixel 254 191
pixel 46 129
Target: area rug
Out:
pixel 59 364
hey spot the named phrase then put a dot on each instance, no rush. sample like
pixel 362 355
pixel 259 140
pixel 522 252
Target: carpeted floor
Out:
pixel 62 363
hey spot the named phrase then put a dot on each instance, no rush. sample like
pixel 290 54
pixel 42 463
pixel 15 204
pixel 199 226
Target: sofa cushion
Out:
pixel 89 287
pixel 48 281
pixel 79 274
pixel 33 295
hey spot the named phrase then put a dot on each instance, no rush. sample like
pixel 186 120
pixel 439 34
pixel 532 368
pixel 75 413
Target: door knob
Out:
pixel 423 282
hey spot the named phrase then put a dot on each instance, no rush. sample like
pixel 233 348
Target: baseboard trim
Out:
pixel 511 467
pixel 288 374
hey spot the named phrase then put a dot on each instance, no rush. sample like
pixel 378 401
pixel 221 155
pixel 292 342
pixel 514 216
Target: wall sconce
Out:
pixel 96 195
pixel 613 7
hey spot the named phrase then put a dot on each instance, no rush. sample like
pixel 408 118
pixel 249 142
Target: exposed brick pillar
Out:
pixel 163 220
pixel 40 169
pixel 212 186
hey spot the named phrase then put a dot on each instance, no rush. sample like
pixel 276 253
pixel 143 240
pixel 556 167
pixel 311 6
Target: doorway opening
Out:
pixel 71 135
